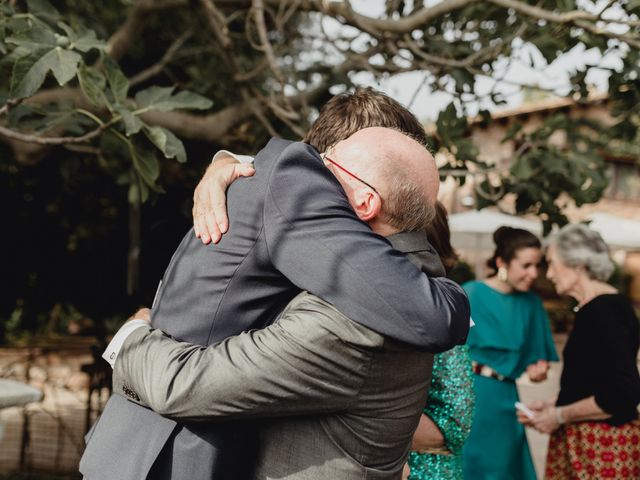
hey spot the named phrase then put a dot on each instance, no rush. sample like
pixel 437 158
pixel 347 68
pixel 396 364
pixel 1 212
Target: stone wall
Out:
pixel 54 427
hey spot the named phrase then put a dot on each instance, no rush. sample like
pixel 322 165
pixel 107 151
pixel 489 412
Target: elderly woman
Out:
pixel 594 426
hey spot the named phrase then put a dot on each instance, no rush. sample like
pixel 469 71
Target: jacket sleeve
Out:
pixel 313 360
pixel 616 384
pixel 316 240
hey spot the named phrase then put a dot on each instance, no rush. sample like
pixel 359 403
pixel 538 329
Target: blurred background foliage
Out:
pixel 110 111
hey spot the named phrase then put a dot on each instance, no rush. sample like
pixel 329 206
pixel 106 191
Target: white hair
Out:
pixel 579 246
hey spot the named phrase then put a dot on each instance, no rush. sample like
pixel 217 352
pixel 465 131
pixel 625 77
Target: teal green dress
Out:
pixel 450 406
pixel 511 332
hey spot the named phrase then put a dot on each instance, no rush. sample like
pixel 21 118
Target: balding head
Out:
pixel 401 170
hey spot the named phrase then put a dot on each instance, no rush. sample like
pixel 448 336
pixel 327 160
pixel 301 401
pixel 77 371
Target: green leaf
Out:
pixel 167 142
pixel 522 168
pixel 186 100
pixel 138 192
pixel 463 80
pixel 145 164
pixel 465 149
pixel 6 9
pixel 511 132
pixel 132 123
pixel 43 10
pixel 88 42
pixel 117 81
pixel 25 80
pixel 36 38
pixel 63 63
pixel 451 126
pixel 92 83
pixel 548 45
pixel 162 99
pixel 30 71
pixel 153 95
pixel 82 39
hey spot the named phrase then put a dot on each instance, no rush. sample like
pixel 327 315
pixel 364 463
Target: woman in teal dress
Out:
pixel 511 336
pixel 445 424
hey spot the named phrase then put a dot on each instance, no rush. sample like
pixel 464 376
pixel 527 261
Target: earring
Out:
pixel 502 274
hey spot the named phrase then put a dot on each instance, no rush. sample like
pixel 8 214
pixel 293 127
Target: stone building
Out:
pixel 620 201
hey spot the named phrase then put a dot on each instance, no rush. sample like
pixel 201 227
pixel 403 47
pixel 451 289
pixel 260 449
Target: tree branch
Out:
pixel 157 68
pixel 579 18
pixel 38 140
pixel 401 25
pixel 265 44
pixel 254 72
pixel 217 23
pixel 133 26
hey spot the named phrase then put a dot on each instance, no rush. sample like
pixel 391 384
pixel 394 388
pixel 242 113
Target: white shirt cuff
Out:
pixel 113 349
pixel 226 153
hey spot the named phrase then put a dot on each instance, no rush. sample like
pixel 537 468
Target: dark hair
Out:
pixel 508 241
pixel 365 107
pixel 439 236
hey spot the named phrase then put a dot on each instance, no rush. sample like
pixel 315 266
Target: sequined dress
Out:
pixel 450 406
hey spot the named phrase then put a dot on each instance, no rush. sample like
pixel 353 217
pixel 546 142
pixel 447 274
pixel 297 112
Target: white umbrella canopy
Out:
pixel 618 233
pixel 488 221
pixel 472 233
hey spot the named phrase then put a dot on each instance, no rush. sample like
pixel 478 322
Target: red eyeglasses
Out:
pixel 333 162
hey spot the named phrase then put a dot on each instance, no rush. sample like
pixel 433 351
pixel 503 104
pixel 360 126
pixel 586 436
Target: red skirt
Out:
pixel 593 450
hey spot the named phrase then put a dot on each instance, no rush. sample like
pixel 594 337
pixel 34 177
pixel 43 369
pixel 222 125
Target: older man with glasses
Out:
pixel 361 346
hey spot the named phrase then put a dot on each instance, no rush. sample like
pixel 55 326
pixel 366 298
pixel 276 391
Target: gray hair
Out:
pixel 405 206
pixel 579 246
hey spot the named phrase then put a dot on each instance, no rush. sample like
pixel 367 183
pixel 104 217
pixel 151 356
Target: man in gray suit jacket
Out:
pixel 365 392
pixel 342 400
pixel 292 228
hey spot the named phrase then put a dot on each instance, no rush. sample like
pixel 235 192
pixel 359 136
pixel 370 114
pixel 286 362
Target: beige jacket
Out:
pixel 350 399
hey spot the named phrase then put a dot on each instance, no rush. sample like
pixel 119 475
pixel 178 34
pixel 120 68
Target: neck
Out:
pixel 588 289
pixel 497 284
pixel 381 228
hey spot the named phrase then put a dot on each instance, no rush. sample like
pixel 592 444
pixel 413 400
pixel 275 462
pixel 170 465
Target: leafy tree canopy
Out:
pixel 139 71
pixel 121 90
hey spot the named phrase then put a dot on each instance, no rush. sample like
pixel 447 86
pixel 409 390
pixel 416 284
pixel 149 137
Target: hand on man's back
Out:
pixel 142 314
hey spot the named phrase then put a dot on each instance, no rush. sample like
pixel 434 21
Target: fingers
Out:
pixel 406 471
pixel 537 372
pixel 199 222
pixel 203 227
pixel 217 204
pixel 536 405
pixel 142 314
pixel 210 220
pixel 217 192
pixel 213 230
pixel 244 170
pixel 200 228
pixel 545 421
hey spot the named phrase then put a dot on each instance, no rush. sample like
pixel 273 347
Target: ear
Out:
pixel 367 204
pixel 501 263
